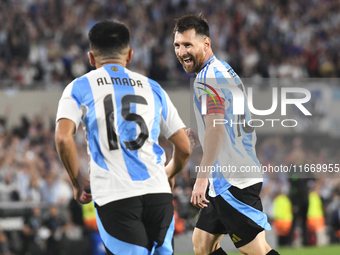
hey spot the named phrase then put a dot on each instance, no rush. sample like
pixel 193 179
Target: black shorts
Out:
pixel 237 212
pixel 137 225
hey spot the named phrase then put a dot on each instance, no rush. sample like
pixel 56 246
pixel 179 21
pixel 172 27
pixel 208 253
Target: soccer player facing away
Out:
pixel 123 113
pixel 233 205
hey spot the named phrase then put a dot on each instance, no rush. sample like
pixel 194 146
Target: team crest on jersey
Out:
pixel 114 68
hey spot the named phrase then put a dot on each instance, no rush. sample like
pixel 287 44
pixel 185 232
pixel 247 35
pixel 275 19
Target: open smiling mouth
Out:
pixel 187 60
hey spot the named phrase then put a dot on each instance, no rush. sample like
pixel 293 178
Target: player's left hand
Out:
pixel 193 136
pixel 171 181
pixel 198 198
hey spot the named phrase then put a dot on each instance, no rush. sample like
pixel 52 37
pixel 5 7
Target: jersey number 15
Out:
pixel 127 100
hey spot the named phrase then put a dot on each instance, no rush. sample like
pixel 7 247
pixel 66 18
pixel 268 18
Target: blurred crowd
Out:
pixel 30 171
pixel 45 41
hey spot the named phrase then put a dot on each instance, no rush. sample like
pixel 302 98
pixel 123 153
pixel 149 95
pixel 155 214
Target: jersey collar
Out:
pixel 209 60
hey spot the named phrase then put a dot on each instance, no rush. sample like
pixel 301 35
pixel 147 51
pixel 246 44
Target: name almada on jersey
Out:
pixel 119 81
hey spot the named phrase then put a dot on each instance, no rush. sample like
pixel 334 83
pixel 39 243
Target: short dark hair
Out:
pixel 109 37
pixel 192 21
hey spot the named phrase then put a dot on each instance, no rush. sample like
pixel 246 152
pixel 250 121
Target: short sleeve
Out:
pixel 171 121
pixel 69 105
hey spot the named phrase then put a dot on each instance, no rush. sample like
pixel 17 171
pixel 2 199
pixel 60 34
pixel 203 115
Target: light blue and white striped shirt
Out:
pixel 123 114
pixel 238 147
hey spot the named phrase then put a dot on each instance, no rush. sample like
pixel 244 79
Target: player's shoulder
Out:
pixel 154 85
pixel 220 65
pixel 218 68
pixel 209 69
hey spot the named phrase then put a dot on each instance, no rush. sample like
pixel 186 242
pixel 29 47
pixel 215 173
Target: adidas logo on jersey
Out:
pixel 235 238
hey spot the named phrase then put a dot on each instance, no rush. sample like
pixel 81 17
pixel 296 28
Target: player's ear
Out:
pixel 207 43
pixel 129 56
pixel 91 58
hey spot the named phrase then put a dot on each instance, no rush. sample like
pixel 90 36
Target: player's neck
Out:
pixel 100 63
pixel 209 54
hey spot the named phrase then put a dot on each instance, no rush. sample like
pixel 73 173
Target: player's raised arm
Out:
pixel 67 152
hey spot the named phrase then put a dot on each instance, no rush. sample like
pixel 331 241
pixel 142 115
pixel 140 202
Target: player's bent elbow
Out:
pixel 186 151
pixel 61 140
pixel 187 146
pixel 183 153
pixel 182 146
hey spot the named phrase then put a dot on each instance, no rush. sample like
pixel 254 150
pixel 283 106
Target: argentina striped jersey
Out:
pixel 123 114
pixel 237 154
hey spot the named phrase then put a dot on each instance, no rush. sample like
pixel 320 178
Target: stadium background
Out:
pixel 43 46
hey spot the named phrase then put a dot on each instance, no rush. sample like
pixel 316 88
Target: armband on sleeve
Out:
pixel 215 106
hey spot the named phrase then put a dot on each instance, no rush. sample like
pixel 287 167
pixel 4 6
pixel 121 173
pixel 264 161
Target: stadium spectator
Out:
pixel 4 246
pixel 273 38
pixel 56 224
pixel 30 230
pixel 55 190
pixel 8 189
pixel 299 191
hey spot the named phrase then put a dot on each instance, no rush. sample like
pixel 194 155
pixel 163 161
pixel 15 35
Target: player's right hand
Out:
pixel 83 197
pixel 198 198
pixel 79 192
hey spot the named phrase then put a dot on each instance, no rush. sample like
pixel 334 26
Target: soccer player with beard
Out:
pixel 233 205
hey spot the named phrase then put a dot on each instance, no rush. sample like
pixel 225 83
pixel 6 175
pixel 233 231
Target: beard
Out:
pixel 196 65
